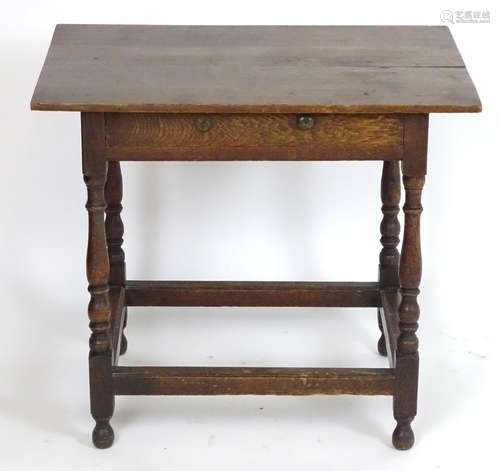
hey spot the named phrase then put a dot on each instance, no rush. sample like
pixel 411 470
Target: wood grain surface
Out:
pixel 242 380
pixel 138 136
pixel 254 69
pixel 252 293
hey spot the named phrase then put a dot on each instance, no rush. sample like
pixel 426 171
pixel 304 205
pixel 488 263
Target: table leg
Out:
pixel 390 192
pixel 99 311
pixel 405 395
pixel 114 234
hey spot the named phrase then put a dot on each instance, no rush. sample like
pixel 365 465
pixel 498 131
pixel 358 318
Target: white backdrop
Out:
pixel 244 221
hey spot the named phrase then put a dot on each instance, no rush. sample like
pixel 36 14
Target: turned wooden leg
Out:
pixel 410 271
pixel 114 234
pixel 101 385
pixel 390 192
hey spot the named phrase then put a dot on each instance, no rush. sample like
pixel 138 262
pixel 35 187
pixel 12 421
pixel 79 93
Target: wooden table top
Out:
pixel 254 69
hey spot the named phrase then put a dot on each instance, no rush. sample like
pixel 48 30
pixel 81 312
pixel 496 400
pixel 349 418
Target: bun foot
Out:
pixel 381 347
pixel 103 435
pixel 402 437
pixel 123 345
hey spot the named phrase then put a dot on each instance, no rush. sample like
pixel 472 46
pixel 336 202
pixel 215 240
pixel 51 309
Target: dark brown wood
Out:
pixel 390 191
pixel 389 227
pixel 114 235
pixel 254 69
pixel 114 225
pixel 389 318
pixel 410 272
pixel 415 145
pixel 118 310
pixel 275 381
pixel 138 136
pixel 99 310
pixel 252 293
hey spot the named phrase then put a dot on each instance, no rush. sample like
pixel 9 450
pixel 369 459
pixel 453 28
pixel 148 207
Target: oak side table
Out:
pixel 163 93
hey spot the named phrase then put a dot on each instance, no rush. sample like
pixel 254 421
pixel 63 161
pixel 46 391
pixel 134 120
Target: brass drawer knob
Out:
pixel 204 123
pixel 305 122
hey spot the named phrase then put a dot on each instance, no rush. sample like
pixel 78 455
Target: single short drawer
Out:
pixel 135 136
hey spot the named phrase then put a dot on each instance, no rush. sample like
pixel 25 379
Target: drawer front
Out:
pixel 134 136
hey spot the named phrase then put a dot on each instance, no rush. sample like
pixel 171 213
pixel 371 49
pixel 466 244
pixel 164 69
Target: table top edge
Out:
pixel 475 107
